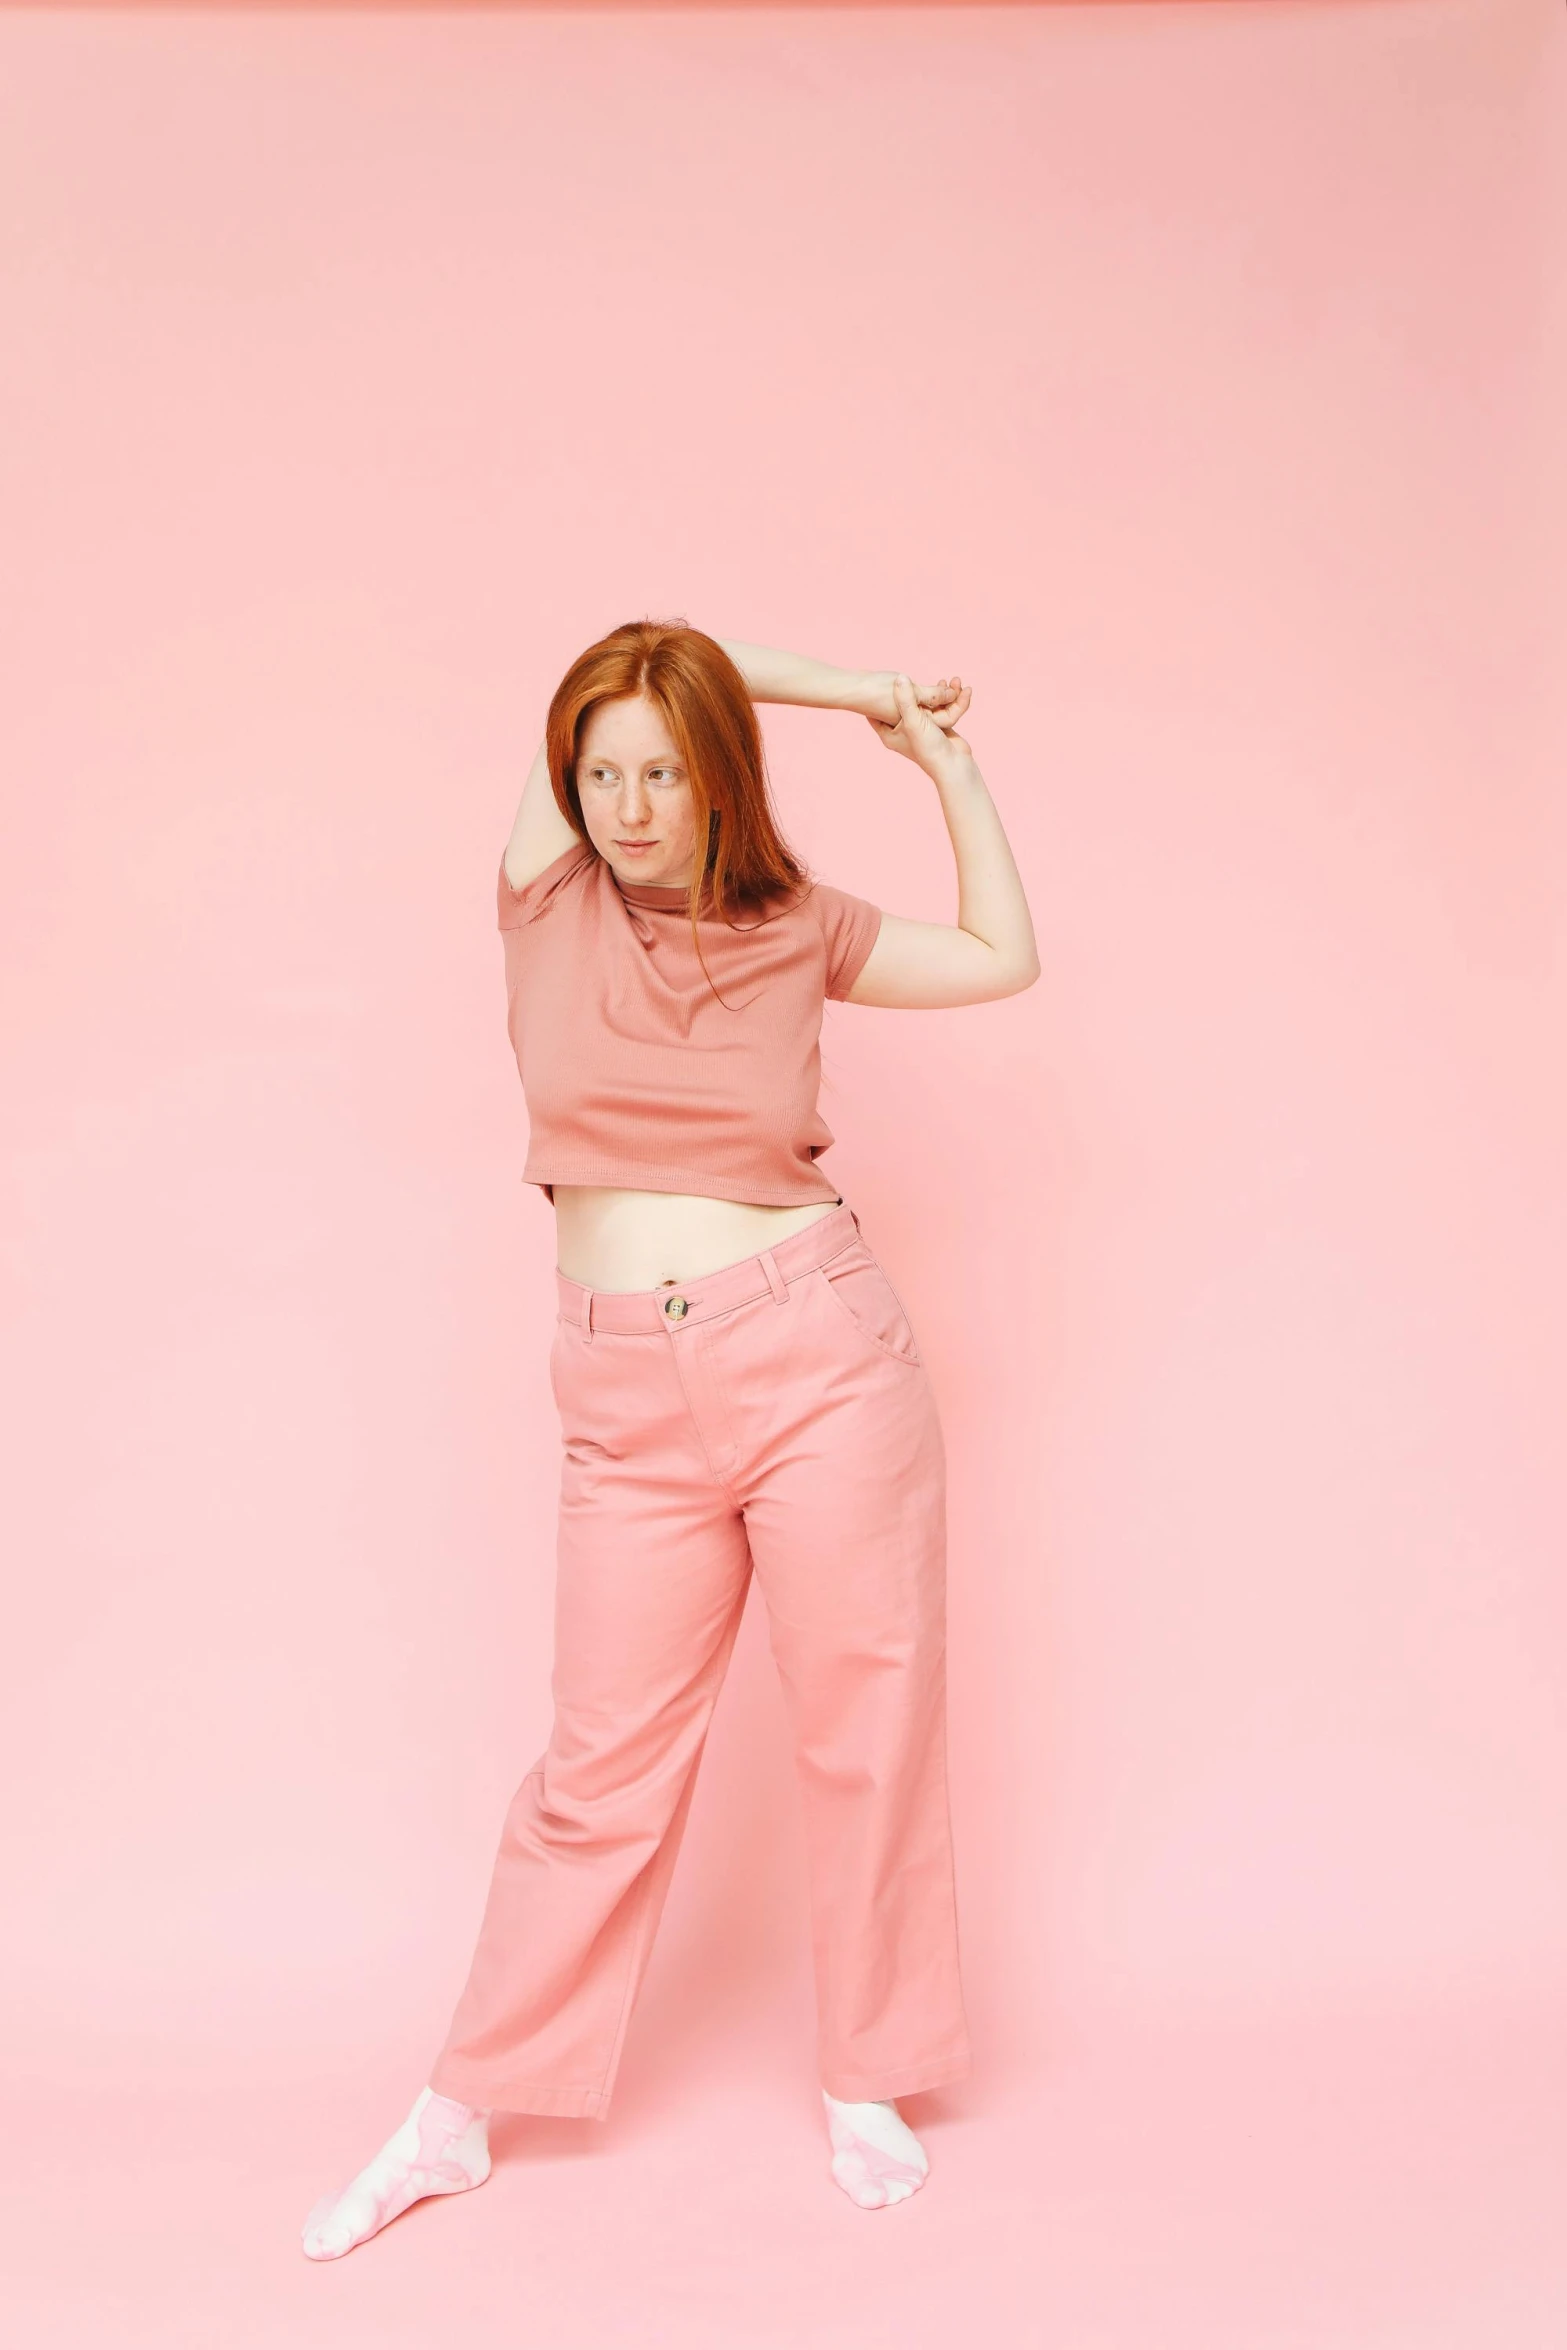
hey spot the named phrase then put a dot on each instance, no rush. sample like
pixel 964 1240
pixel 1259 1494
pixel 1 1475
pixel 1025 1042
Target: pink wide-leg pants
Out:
pixel 773 1414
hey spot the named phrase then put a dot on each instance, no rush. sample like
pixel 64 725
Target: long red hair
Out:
pixel 711 717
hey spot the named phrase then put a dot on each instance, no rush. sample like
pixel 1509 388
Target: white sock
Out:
pixel 876 2157
pixel 442 2148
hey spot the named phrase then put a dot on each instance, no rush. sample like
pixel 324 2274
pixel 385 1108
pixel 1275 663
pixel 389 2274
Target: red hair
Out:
pixel 708 709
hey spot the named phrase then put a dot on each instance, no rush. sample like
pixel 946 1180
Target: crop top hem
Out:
pixel 628 1175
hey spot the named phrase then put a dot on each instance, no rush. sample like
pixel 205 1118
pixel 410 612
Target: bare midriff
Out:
pixel 646 1239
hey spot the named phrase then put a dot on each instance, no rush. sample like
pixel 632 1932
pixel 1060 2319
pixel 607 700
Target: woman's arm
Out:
pixel 990 951
pixel 794 677
pixel 539 832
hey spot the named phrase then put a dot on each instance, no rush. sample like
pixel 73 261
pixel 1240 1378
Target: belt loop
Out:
pixel 775 1280
pixel 587 1313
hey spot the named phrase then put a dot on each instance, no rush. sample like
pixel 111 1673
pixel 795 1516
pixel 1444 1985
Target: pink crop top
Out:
pixel 635 1074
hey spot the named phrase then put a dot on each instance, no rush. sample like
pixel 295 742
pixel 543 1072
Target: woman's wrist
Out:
pixel 869 691
pixel 826 687
pixel 955 766
pixel 775 676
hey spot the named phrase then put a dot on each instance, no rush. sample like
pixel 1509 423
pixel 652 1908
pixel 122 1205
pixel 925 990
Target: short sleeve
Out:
pixel 849 925
pixel 515 907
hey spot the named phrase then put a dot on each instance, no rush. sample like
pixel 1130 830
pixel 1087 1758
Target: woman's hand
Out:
pixel 924 722
pixel 877 698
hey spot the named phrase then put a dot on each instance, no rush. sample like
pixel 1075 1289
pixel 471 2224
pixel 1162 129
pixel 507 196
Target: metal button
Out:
pixel 674 1307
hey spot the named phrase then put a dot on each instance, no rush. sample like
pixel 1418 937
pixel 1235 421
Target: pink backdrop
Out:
pixel 1192 381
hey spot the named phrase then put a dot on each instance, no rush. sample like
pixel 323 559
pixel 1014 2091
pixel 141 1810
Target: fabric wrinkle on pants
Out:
pixel 774 1415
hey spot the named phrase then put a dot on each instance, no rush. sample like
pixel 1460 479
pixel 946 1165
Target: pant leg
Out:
pixel 651 1578
pixel 845 1508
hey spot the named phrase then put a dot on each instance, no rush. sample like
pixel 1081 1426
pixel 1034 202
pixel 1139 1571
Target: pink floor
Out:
pixel 1373 2184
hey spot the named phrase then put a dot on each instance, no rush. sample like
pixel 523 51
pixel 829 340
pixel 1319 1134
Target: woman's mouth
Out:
pixel 636 845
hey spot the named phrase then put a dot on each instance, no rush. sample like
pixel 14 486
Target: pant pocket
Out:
pixel 555 1346
pixel 861 1291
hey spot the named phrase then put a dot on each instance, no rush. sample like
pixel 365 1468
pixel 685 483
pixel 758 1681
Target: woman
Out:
pixel 738 1386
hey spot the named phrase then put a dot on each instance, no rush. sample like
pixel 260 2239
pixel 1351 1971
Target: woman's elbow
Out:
pixel 1018 976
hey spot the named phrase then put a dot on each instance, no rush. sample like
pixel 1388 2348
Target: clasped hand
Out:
pixel 920 721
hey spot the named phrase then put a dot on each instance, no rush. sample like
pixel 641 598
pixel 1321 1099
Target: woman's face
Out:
pixel 635 793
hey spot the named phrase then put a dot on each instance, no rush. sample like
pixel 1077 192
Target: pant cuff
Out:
pixel 902 2081
pixel 470 2084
